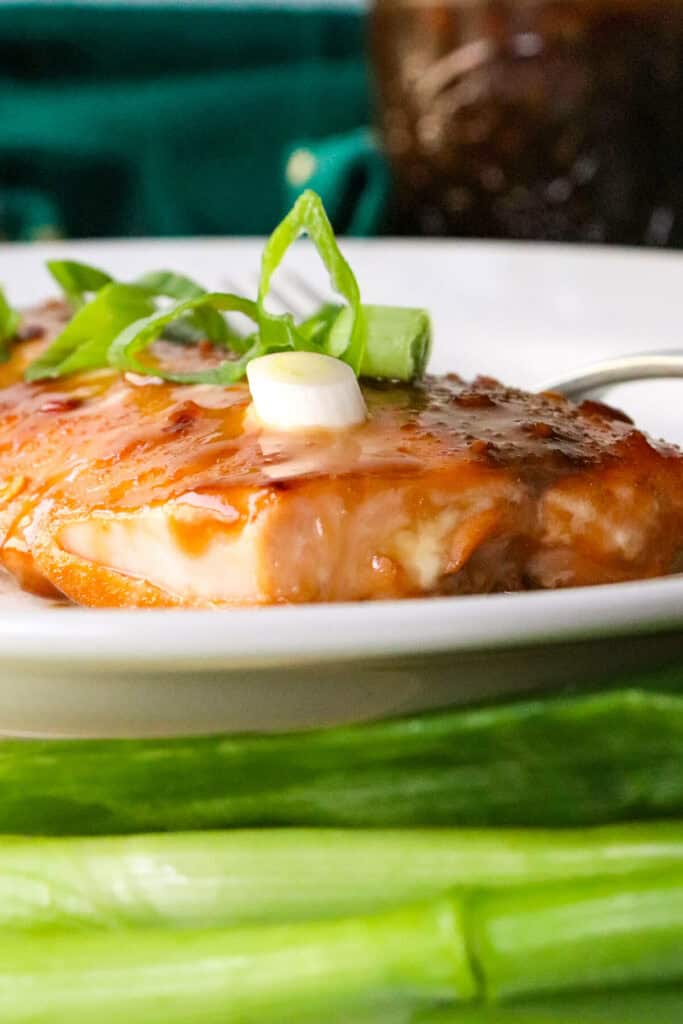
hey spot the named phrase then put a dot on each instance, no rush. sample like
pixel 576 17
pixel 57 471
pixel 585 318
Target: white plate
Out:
pixel 522 313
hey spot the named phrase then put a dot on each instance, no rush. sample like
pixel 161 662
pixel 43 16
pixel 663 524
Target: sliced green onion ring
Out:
pixel 138 336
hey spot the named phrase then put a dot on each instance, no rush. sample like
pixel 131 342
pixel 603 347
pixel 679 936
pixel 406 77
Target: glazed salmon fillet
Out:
pixel 123 490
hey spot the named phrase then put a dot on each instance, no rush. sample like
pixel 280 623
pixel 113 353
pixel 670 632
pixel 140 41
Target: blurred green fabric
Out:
pixel 178 120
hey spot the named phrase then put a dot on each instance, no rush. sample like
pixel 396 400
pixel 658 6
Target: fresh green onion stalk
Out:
pixel 503 765
pixel 299 972
pixel 659 1005
pixel 214 879
pixel 527 941
pixel 579 935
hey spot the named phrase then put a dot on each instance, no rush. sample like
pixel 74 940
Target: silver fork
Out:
pixel 294 293
pixel 617 370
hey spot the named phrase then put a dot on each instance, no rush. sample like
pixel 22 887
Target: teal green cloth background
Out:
pixel 178 120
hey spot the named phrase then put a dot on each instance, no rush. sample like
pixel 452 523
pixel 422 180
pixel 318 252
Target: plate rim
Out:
pixel 172 638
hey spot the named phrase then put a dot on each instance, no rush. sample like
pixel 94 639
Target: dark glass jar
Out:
pixel 544 119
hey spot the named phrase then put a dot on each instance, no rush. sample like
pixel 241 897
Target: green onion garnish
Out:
pixel 114 323
pixel 77 280
pixel 279 332
pixel 140 334
pixel 397 344
pixel 85 341
pixel 9 323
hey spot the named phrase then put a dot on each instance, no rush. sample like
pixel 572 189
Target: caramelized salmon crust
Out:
pixel 124 490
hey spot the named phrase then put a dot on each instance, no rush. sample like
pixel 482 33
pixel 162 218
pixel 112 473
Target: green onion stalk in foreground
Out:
pixel 300 972
pixel 600 933
pixel 540 763
pixel 115 324
pixel 490 946
pixel 660 1005
pixel 217 879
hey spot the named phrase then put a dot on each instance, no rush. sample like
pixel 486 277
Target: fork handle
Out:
pixel 618 370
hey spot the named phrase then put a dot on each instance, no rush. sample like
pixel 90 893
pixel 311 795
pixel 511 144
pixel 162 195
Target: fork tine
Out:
pixel 240 285
pixel 297 294
pixel 282 298
pixel 246 284
pixel 315 296
pixel 290 293
pixel 286 298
